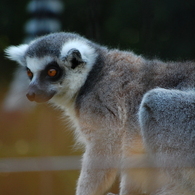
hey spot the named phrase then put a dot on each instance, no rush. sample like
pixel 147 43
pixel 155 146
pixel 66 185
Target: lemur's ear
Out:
pixel 16 53
pixel 73 58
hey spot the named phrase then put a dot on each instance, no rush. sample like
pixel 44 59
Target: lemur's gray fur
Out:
pixel 167 119
pixel 101 90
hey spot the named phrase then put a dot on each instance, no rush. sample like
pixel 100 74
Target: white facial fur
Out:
pixel 38 64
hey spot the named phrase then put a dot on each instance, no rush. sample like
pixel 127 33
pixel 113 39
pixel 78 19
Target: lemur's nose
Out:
pixel 38 94
pixel 31 96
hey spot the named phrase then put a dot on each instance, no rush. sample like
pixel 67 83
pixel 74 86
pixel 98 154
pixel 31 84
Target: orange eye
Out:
pixel 52 72
pixel 29 73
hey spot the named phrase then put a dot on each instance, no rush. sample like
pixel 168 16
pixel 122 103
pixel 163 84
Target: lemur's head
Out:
pixel 56 64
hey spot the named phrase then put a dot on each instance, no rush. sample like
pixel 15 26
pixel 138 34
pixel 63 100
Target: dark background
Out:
pixel 163 29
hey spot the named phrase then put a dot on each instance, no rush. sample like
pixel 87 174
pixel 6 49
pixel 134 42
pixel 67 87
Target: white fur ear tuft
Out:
pixel 16 53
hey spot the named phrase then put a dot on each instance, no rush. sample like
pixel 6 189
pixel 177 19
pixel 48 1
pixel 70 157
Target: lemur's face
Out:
pixel 57 65
pixel 51 75
pixel 46 76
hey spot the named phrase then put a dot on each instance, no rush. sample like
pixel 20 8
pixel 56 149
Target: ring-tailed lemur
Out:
pixel 101 90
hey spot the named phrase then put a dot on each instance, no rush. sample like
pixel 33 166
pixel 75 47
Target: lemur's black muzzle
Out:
pixel 39 95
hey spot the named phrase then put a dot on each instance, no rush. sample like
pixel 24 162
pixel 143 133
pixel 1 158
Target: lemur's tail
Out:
pixel 45 17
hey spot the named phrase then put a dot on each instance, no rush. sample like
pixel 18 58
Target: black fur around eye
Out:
pixel 53 72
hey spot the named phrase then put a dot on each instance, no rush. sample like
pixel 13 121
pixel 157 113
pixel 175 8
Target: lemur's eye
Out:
pixel 52 72
pixel 29 73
